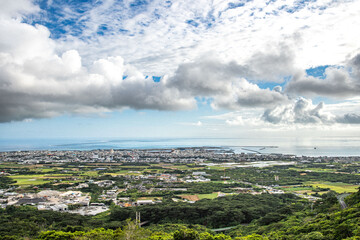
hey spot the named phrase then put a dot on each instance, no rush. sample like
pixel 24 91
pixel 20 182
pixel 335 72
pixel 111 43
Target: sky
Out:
pixel 139 68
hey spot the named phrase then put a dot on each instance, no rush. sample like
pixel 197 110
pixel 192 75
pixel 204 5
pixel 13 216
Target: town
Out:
pixel 88 182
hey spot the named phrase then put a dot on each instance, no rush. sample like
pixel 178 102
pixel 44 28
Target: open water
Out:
pixel 334 146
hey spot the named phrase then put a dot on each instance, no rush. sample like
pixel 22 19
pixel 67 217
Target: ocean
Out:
pixel 333 146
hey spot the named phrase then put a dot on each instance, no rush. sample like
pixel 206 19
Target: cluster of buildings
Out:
pixel 45 200
pixel 69 201
pixel 180 155
pixel 75 201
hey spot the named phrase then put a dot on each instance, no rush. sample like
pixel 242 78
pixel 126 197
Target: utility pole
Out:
pixel 138 220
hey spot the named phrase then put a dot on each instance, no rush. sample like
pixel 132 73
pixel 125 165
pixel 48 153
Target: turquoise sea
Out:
pixel 333 146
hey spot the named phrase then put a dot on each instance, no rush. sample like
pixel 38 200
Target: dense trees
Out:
pixel 210 187
pixel 220 212
pixel 326 221
pixel 287 176
pixel 224 211
pixel 29 221
pixel 353 198
pixel 280 217
pixel 5 182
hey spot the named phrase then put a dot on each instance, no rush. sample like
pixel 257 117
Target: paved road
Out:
pixel 341 199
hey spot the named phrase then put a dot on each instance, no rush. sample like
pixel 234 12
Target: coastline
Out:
pixel 299 147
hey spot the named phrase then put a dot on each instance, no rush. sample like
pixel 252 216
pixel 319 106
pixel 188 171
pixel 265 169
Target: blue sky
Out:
pixel 137 68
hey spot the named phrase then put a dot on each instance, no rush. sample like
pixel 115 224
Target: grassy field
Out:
pixel 37 179
pixel 314 169
pixel 30 181
pixel 294 189
pixel 133 167
pixel 217 168
pixel 190 197
pixel 208 196
pixel 46 170
pixel 123 172
pixel 338 187
pixel 196 197
pixel 12 165
pixel 90 174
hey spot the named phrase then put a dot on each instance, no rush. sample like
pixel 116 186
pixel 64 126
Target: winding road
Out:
pixel 341 198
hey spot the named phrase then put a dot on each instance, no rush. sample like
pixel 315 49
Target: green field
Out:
pixel 301 189
pixel 338 187
pixel 314 170
pixel 90 174
pixel 217 168
pixel 208 196
pixel 46 170
pixel 30 181
pixel 293 189
pixel 37 179
pixel 123 172
pixel 11 165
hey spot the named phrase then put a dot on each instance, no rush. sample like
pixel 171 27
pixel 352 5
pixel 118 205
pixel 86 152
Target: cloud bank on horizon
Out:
pixel 274 59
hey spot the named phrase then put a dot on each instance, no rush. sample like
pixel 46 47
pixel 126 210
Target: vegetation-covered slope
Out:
pixel 279 217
